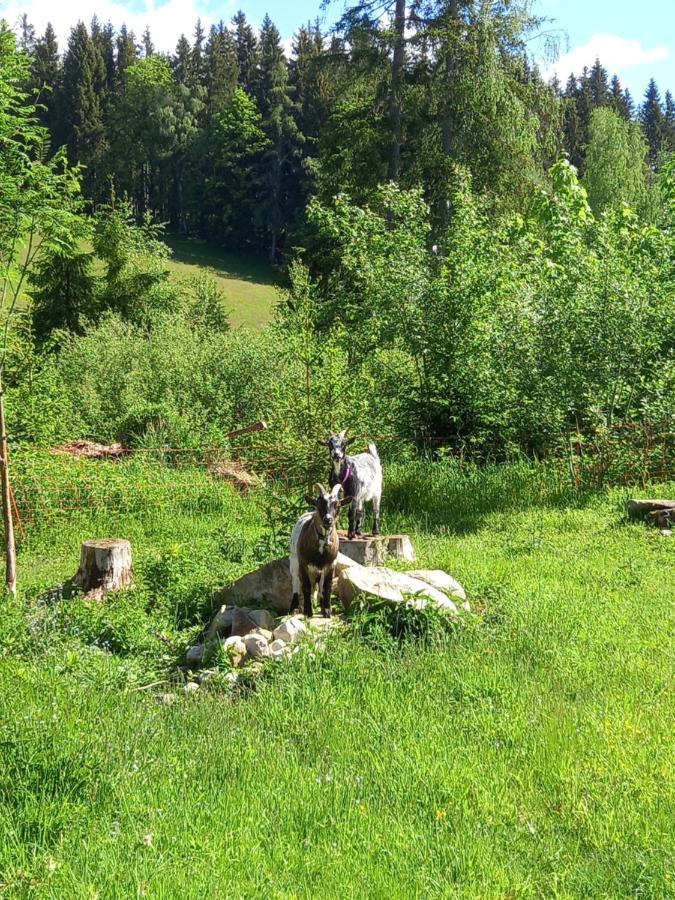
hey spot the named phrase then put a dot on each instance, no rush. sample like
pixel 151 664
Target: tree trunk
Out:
pixel 446 129
pixel 10 546
pixel 105 565
pixel 395 101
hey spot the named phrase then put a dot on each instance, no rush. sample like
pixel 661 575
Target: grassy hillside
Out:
pixel 248 280
pixel 526 754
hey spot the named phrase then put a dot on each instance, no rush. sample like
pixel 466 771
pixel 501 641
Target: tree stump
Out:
pixel 651 510
pixel 375 550
pixel 105 565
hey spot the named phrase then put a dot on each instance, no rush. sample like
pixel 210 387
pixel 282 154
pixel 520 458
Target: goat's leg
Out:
pixel 326 586
pixel 307 591
pixel 376 515
pixel 360 513
pixel 352 520
pixel 296 584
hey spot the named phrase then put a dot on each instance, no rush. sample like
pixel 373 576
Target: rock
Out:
pixel 257 647
pixel 221 624
pixel 375 550
pixel 291 630
pixel 243 622
pixel 278 649
pixel 320 623
pixel 270 584
pixel 235 648
pixel 440 580
pixel 385 584
pixel 263 619
pixel 191 687
pixel 268 635
pixel 641 509
pixel 195 655
pixel 165 699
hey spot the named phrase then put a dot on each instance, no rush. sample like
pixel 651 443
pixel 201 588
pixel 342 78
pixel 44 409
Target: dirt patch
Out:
pixel 90 450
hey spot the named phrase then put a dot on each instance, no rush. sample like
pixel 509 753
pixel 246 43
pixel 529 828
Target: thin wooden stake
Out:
pixel 10 546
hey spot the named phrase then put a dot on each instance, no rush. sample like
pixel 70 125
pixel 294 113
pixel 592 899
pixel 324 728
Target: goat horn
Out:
pixel 343 433
pixel 336 489
pixel 320 488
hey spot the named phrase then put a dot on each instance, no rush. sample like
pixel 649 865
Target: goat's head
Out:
pixel 337 446
pixel 326 503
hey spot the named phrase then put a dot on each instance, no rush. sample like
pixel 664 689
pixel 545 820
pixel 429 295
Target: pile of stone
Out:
pixel 255 634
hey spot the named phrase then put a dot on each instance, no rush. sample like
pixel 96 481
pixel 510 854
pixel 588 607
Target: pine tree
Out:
pixel 669 118
pixel 81 108
pixel 618 100
pixel 146 41
pixel 222 71
pixel 127 55
pixel 106 44
pixel 598 85
pixel 198 72
pixel 247 52
pixel 27 35
pixel 280 166
pixel 182 61
pixel 573 137
pixel 652 119
pixel 102 42
pixel 311 83
pixel 45 78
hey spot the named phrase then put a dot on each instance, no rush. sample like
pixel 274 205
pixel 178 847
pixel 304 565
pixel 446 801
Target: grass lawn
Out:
pixel 527 754
pixel 247 280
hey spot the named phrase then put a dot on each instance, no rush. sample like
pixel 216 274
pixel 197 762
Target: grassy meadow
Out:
pixel 248 280
pixel 525 753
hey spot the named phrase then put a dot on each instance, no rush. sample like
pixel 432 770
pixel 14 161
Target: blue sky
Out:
pixel 635 40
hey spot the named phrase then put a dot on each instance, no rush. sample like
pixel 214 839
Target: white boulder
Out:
pixel 257 646
pixel 443 582
pixel 291 630
pixel 388 585
pixel 235 648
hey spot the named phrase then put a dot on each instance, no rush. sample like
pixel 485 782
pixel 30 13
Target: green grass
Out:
pixel 247 280
pixel 529 754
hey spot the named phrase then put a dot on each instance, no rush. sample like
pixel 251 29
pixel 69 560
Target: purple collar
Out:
pixel 348 472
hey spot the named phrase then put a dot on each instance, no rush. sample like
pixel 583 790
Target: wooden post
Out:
pixel 105 565
pixel 10 546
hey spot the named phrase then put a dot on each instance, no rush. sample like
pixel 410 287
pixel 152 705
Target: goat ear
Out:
pixel 322 443
pixel 349 441
pixel 310 500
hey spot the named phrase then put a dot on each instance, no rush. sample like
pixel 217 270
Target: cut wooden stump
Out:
pixel 375 550
pixel 105 565
pixel 658 512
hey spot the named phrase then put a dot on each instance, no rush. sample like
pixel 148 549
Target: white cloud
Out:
pixel 615 53
pixel 167 20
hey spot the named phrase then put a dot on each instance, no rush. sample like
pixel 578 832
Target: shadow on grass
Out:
pixel 451 497
pixel 245 266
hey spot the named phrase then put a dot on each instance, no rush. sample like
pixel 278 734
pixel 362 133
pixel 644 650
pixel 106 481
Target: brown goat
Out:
pixel 314 549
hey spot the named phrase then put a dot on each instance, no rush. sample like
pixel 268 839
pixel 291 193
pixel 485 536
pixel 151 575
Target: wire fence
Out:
pixel 51 486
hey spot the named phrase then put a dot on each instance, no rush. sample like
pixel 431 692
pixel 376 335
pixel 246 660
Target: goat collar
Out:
pixel 322 536
pixel 348 472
